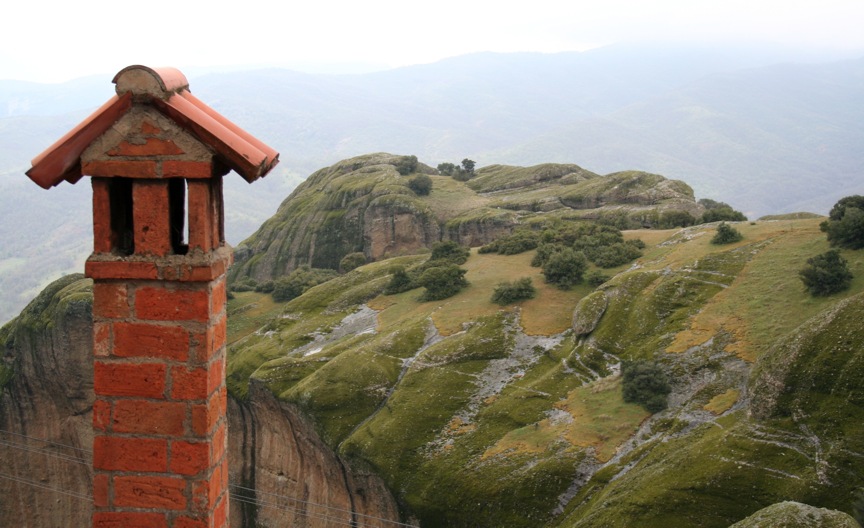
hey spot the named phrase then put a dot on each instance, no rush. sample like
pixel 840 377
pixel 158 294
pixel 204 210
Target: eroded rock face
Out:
pixel 279 462
pixel 46 435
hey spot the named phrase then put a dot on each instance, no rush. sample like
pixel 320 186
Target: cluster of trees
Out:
pixel 509 292
pixel 441 275
pixel 463 172
pixel 719 212
pixel 828 273
pixel 564 250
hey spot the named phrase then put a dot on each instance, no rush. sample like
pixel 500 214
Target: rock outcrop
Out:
pixel 282 474
pixel 45 409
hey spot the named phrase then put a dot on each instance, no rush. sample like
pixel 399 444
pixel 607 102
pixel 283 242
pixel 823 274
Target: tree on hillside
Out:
pixel 468 165
pixel 510 292
pixel 645 383
pixel 845 224
pixel 406 165
pixel 420 184
pixel 442 282
pixel 826 274
pixel 565 268
pixel 726 234
pixel 450 251
pixel 719 212
pixel 447 169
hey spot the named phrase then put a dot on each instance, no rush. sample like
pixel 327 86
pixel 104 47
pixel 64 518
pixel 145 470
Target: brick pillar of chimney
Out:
pixel 159 416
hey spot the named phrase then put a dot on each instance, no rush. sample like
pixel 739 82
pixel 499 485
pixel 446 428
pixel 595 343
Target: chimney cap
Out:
pixel 154 82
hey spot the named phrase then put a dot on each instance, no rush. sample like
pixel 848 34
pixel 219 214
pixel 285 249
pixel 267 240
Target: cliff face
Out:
pixel 280 464
pixel 45 409
pixel 46 435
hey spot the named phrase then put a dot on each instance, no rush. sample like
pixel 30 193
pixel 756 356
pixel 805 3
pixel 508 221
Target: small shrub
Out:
pixel 510 292
pixel 826 274
pixel 845 224
pixel 565 268
pixel 442 282
pixel 719 212
pixel 265 287
pixel 407 165
pixel 544 251
pixel 244 285
pixel 645 383
pixel 614 255
pixel 400 281
pixel 450 251
pixel 352 261
pixel 726 234
pixel 420 184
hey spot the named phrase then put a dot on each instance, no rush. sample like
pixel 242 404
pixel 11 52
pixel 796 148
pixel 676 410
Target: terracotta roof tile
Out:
pixel 59 161
pixel 166 89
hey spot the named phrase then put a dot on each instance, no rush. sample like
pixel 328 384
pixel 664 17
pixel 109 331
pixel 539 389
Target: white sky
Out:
pixel 56 40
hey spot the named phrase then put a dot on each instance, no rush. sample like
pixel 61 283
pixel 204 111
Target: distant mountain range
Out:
pixel 755 127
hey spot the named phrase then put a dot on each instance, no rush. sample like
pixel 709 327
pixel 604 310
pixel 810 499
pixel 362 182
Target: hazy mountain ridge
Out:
pixel 664 110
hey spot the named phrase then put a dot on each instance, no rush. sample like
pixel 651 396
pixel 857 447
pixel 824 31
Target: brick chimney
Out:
pixel 156 156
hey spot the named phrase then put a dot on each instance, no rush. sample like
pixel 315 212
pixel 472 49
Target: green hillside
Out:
pixel 481 415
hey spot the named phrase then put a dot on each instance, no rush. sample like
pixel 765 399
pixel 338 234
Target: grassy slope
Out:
pixel 459 450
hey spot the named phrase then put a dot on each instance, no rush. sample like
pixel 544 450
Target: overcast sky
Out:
pixel 52 40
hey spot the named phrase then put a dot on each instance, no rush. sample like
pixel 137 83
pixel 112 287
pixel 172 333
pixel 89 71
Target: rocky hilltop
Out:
pixel 365 204
pixel 464 412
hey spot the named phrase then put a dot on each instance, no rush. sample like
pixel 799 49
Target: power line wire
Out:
pixel 46 487
pixel 29 449
pixel 44 441
pixel 334 508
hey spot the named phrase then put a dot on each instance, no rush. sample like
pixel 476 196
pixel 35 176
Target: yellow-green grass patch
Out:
pixel 598 418
pixel 722 402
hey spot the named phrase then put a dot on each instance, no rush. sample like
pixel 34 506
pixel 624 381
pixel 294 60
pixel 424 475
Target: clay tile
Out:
pixel 155 82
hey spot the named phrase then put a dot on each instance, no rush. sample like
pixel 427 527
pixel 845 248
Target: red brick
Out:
pixel 218 297
pixel 144 380
pixel 150 492
pixel 101 415
pixel 110 300
pixel 220 441
pixel 100 490
pixel 202 216
pixel 114 168
pixel 149 417
pixel 129 520
pixel 153 341
pixel 186 169
pixel 189 384
pixel 130 454
pixel 205 417
pixel 207 344
pixel 149 129
pixel 103 235
pixel 189 458
pixel 103 344
pixel 151 147
pixel 150 217
pixel 172 305
pixel 220 514
pixel 188 522
pixel 96 269
pixel 216 375
pixel 206 492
